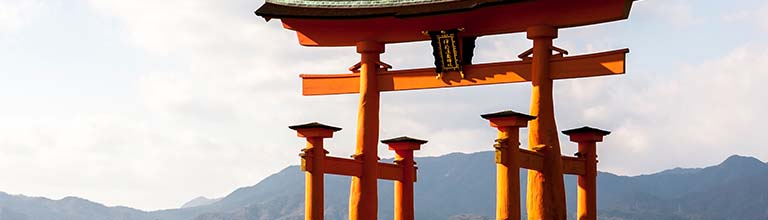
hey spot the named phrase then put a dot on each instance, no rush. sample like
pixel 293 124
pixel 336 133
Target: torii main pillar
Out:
pixel 363 196
pixel 546 190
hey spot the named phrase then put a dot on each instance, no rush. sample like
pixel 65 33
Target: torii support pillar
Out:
pixel 546 190
pixel 587 139
pixel 404 147
pixel 363 194
pixel 313 157
pixel 507 162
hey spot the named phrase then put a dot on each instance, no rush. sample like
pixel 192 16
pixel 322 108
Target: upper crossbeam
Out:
pixel 589 65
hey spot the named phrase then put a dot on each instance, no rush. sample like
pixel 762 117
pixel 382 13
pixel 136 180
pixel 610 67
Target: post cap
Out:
pixel 541 32
pixel 314 129
pixel 404 143
pixel 508 119
pixel 586 133
pixel 369 47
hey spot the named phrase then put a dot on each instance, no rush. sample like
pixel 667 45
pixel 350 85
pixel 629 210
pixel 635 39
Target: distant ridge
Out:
pixel 455 186
pixel 199 201
pixel 741 162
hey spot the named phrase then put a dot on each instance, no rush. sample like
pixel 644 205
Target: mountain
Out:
pixel 735 189
pixel 454 187
pixel 199 201
pixel 17 207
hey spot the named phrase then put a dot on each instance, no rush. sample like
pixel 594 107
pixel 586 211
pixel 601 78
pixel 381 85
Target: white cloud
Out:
pixel 756 15
pixel 709 110
pixel 220 97
pixel 677 12
pixel 211 111
pixel 14 14
pixel 762 17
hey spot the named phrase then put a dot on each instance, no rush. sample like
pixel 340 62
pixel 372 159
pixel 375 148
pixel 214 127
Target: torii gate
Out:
pixel 369 25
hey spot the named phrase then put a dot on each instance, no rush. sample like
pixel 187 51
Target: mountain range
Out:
pixel 453 187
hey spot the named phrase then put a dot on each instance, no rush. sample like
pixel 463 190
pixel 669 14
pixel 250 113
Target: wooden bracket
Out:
pixel 573 165
pixel 382 65
pixel 501 145
pixel 526 55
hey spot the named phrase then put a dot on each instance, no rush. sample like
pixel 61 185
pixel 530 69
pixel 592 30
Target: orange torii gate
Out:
pixel 370 25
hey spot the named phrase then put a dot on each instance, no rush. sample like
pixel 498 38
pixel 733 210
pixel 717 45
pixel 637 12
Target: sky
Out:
pixel 149 104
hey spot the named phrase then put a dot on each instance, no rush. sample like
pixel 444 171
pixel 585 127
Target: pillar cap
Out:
pixel 508 119
pixel 542 31
pixel 369 47
pixel 404 143
pixel 314 129
pixel 586 133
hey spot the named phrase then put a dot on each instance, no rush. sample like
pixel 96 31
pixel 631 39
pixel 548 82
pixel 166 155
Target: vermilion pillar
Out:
pixel 546 191
pixel 312 163
pixel 507 162
pixel 363 196
pixel 404 147
pixel 587 192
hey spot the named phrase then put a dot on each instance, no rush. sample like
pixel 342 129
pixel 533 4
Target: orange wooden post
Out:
pixel 404 147
pixel 363 197
pixel 312 160
pixel 507 162
pixel 546 190
pixel 587 192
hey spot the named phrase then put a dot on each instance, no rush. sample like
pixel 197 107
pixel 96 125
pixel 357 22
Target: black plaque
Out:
pixel 445 49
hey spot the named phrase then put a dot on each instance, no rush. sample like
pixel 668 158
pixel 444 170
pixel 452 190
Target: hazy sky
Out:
pixel 148 104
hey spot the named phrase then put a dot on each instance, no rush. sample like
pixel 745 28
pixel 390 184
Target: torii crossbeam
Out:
pixel 589 65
